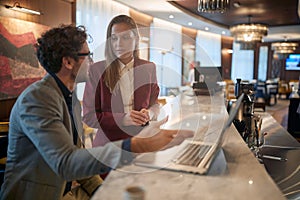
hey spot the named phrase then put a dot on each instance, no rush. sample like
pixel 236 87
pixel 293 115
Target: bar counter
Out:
pixel 241 176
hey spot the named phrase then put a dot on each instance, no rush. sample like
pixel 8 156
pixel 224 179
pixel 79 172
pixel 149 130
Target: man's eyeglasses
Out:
pixel 89 54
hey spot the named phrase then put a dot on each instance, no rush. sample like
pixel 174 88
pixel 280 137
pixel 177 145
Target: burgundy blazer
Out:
pixel 105 110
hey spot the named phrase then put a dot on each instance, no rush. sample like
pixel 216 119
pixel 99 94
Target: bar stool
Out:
pixel 272 91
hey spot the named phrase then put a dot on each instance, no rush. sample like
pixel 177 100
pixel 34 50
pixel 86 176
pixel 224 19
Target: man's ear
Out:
pixel 68 62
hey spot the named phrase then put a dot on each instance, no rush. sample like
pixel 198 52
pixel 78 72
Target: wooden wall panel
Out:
pixel 54 12
pixel 226 57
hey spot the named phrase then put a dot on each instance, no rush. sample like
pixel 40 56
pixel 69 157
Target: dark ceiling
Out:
pixel 270 12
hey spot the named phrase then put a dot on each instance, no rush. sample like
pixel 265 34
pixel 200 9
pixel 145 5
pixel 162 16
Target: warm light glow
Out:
pixel 248 34
pixel 229 51
pixel 248 37
pixel 284 47
pixel 213 6
pixel 25 10
pixel 19 8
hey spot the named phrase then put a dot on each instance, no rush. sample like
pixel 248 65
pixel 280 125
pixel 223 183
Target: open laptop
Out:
pixel 190 156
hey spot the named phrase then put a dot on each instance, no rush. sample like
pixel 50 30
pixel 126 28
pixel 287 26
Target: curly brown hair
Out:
pixel 56 43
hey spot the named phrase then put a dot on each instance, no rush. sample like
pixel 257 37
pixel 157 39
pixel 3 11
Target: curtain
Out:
pixel 166 53
pixel 263 63
pixel 242 63
pixel 95 15
pixel 208 49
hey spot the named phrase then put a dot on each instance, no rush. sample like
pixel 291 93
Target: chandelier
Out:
pixel 213 5
pixel 284 47
pixel 248 34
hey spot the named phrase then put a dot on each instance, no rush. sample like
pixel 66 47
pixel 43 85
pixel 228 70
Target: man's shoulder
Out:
pixel 47 83
pixel 41 92
pixel 41 88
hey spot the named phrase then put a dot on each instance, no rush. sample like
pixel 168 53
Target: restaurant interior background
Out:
pixel 192 36
pixel 173 35
pixel 197 32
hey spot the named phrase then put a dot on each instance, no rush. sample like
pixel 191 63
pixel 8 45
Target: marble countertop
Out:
pixel 279 143
pixel 244 178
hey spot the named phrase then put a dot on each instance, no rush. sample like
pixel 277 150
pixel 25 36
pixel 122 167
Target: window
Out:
pixel 242 63
pixel 263 63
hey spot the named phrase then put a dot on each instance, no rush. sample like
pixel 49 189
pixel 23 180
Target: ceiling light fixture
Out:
pixel 284 47
pixel 19 8
pixel 213 5
pixel 248 34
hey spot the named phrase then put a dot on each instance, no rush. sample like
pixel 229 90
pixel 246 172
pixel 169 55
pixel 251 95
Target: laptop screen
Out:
pixel 232 114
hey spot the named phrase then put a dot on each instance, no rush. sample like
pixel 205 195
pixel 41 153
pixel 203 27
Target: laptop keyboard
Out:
pixel 193 154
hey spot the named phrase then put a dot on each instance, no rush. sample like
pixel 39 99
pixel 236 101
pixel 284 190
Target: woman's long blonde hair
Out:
pixel 112 75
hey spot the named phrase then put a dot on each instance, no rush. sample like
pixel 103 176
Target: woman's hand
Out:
pixel 136 118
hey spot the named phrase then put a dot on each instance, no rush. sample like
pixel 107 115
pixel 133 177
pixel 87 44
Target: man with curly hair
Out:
pixel 45 154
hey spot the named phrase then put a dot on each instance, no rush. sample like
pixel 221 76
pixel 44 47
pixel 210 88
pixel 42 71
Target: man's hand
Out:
pixel 152 138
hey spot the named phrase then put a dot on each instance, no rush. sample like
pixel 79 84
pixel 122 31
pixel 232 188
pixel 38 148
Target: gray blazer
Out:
pixel 41 154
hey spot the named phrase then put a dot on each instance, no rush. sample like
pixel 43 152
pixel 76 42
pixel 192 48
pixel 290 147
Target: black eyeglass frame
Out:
pixel 90 54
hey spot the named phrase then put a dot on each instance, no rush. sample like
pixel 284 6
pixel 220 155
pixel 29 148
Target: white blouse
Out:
pixel 126 84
